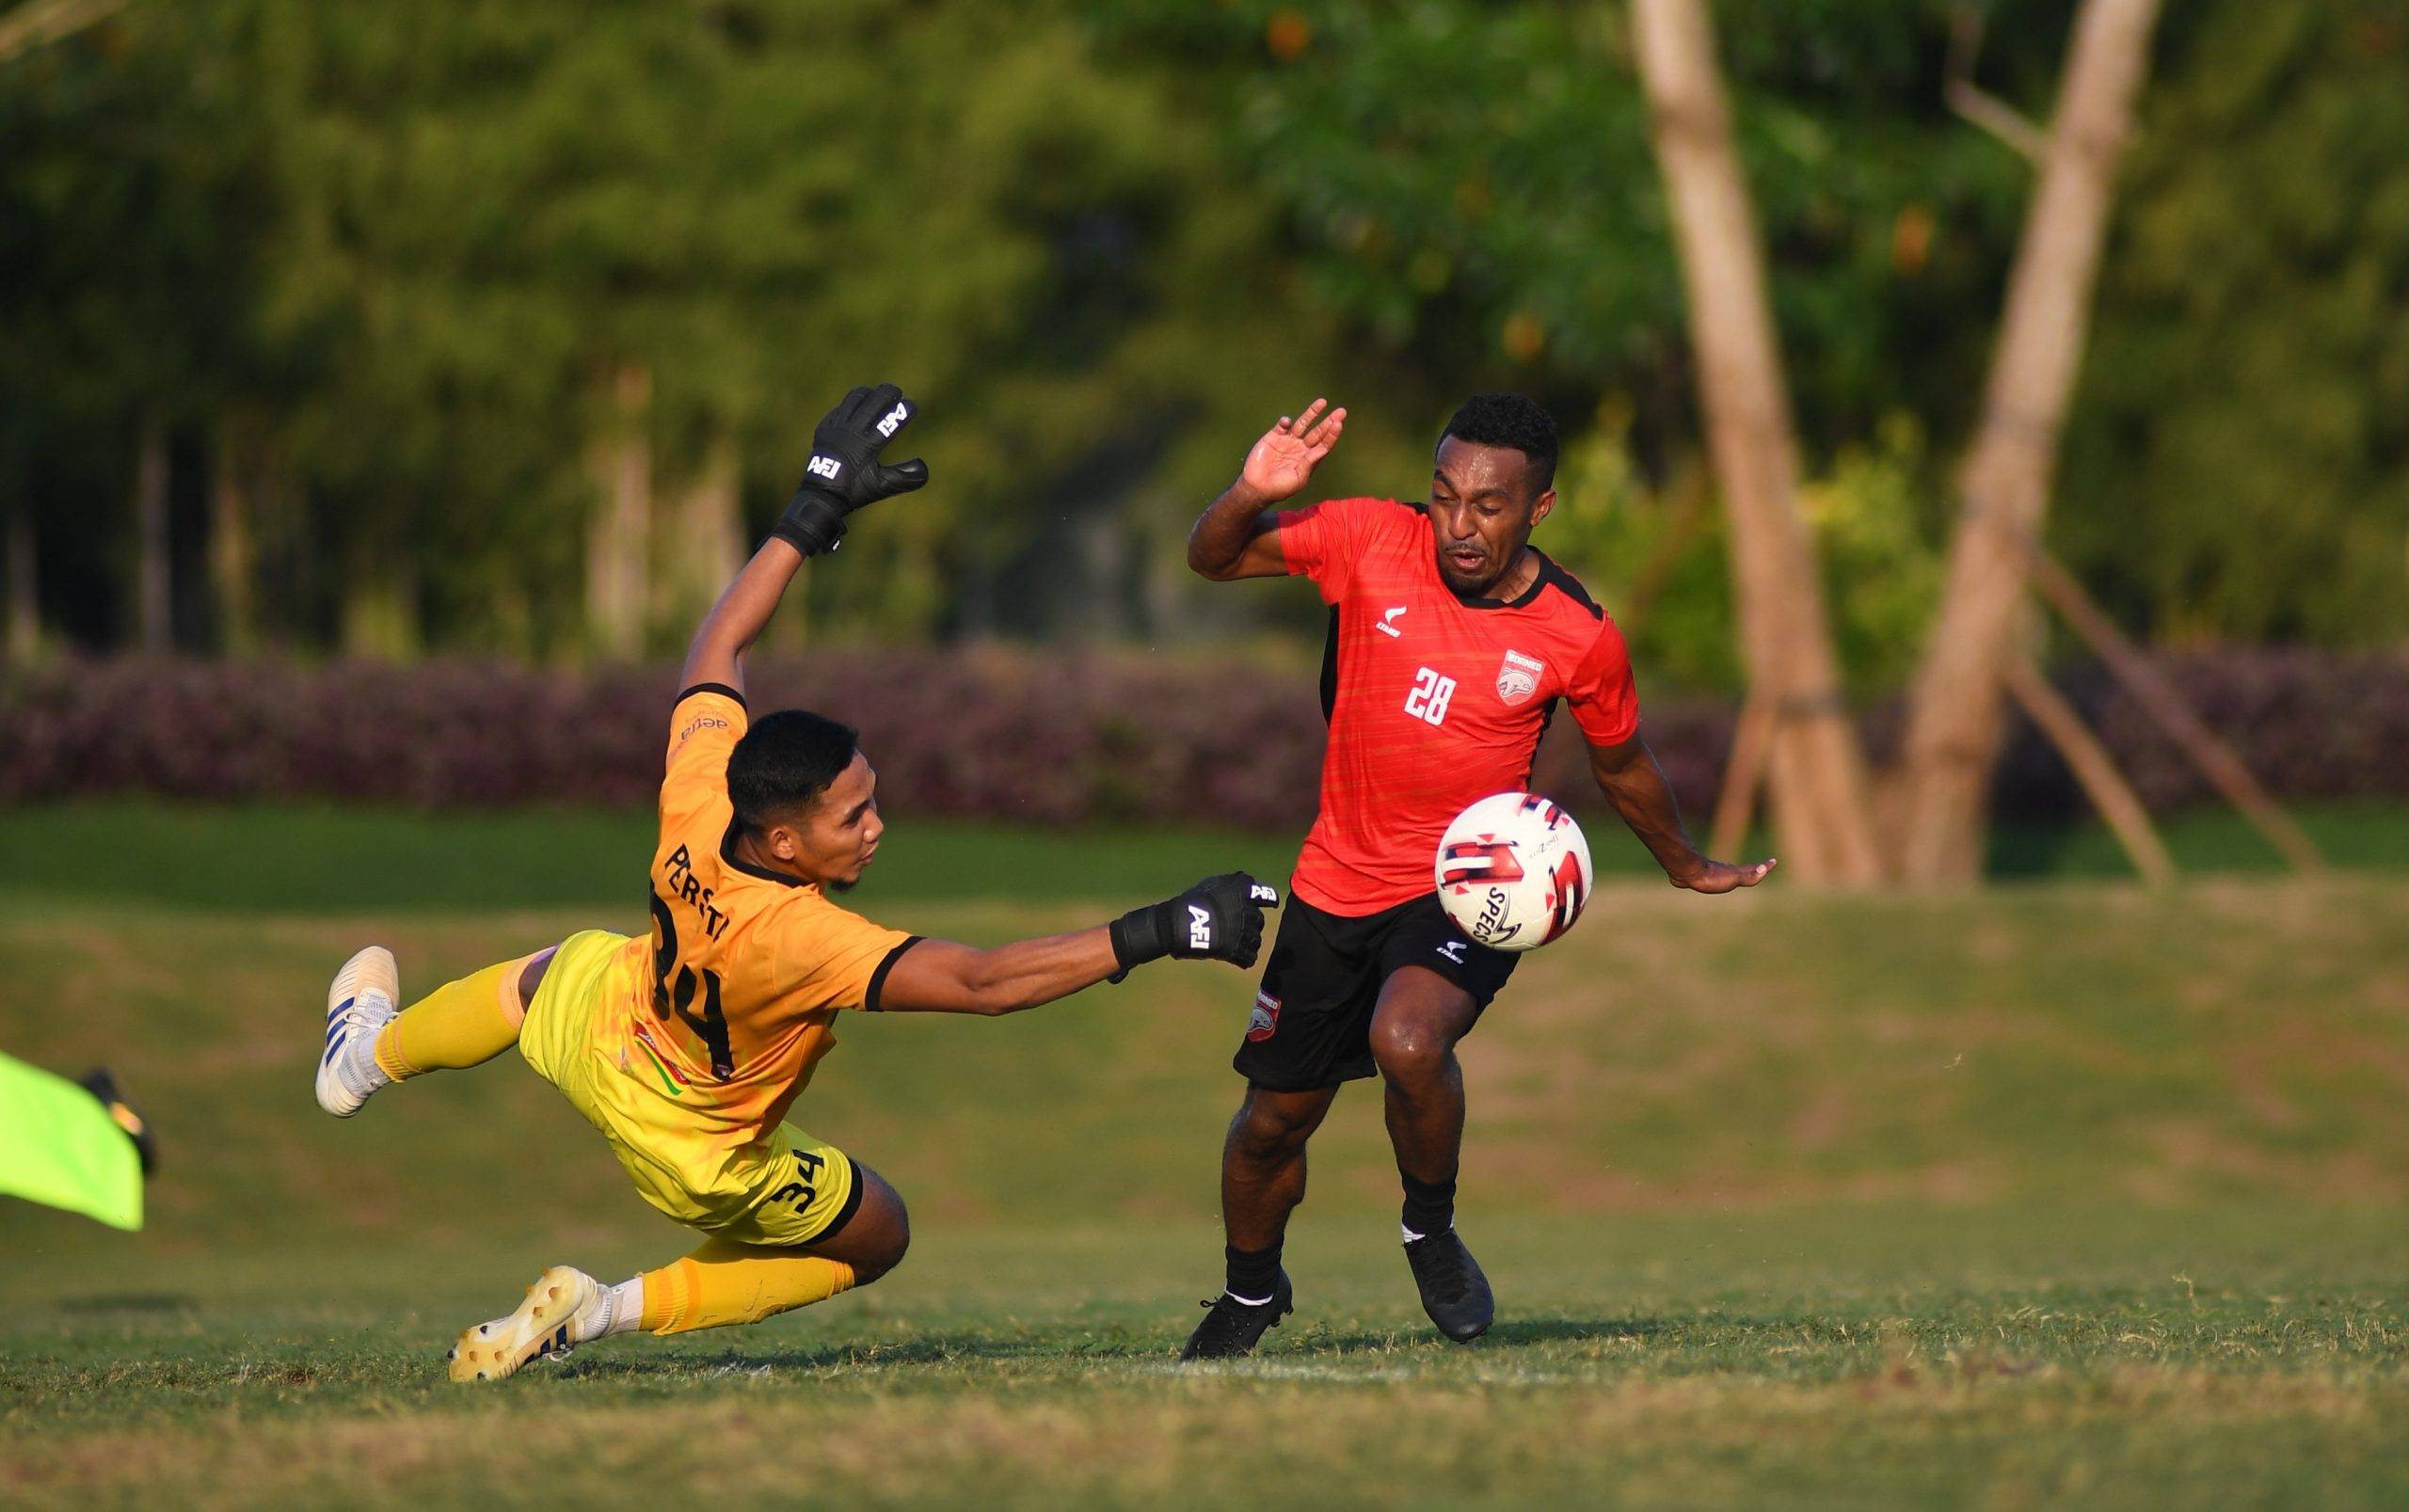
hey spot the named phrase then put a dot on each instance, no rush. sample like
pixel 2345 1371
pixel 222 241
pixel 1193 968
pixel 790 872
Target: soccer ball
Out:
pixel 1513 871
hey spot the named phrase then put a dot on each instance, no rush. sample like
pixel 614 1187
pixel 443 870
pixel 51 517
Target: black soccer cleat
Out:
pixel 1232 1329
pixel 1453 1292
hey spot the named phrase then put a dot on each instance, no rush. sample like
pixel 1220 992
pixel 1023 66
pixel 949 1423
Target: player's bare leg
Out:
pixel 719 1286
pixel 874 1239
pixel 1263 1162
pixel 1263 1178
pixel 1415 1025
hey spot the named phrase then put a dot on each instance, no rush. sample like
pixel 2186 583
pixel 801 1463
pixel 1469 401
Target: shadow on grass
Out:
pixel 1512 1333
pixel 938 1349
pixel 972 1349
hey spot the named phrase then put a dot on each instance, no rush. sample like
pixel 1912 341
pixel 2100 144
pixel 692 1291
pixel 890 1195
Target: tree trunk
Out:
pixel 619 540
pixel 25 604
pixel 153 570
pixel 380 620
pixel 234 557
pixel 702 544
pixel 1816 770
pixel 1955 722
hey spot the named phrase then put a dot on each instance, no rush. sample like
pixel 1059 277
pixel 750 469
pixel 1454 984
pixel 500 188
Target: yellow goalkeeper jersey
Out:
pixel 735 996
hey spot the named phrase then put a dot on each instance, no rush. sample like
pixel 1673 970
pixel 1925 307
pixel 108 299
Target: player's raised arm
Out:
pixel 843 475
pixel 1234 537
pixel 1220 918
pixel 1628 774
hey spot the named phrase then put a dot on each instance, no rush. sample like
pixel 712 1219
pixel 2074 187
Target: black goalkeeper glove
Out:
pixel 1220 918
pixel 844 473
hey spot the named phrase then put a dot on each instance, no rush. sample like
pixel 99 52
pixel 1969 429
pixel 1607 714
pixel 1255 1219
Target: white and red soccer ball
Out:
pixel 1514 871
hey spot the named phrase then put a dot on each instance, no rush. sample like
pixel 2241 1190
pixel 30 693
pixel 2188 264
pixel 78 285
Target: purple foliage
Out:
pixel 1019 737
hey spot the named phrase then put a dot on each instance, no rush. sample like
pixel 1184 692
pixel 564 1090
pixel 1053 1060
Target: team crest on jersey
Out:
pixel 1265 1021
pixel 1518 677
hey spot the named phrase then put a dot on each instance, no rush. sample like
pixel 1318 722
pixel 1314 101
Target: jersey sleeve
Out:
pixel 833 958
pixel 704 726
pixel 1605 701
pixel 1322 541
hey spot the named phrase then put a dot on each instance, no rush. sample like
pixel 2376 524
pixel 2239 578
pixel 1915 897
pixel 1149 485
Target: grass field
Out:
pixel 2073 1194
pixel 313 858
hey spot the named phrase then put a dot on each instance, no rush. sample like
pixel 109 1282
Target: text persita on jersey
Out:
pixel 1518 677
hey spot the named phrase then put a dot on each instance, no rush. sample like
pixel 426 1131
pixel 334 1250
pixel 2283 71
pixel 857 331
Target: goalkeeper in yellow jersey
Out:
pixel 685 1050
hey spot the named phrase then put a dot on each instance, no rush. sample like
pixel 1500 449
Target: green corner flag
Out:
pixel 59 1147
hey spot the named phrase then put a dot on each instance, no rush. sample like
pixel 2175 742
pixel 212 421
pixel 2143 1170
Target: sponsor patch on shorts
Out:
pixel 1265 1021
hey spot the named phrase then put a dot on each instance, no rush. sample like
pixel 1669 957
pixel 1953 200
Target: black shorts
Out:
pixel 1312 1026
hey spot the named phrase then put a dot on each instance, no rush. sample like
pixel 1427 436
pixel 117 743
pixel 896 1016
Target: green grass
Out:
pixel 2367 835
pixel 1886 1360
pixel 321 859
pixel 2073 1194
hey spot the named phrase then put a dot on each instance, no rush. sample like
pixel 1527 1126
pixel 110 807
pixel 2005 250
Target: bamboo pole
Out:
pixel 2216 760
pixel 1743 775
pixel 46 20
pixel 2094 768
pixel 1815 769
pixel 1954 708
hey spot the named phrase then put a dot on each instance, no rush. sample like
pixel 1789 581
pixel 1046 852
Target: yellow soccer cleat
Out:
pixel 564 1309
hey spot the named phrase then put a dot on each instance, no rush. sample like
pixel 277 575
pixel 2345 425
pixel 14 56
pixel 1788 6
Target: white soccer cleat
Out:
pixel 564 1309
pixel 362 1001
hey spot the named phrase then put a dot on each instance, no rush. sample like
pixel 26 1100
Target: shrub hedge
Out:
pixel 1018 737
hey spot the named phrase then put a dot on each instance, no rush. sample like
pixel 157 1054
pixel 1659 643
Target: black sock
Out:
pixel 1252 1273
pixel 1429 1206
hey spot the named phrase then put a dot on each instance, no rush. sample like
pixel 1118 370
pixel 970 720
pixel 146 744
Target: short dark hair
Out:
pixel 783 762
pixel 1509 419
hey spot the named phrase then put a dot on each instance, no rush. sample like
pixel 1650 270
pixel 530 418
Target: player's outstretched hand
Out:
pixel 1283 460
pixel 845 473
pixel 1723 877
pixel 1220 918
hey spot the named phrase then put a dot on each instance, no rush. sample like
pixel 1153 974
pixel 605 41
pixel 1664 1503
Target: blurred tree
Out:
pixel 1470 186
pixel 372 266
pixel 2238 464
pixel 124 193
pixel 1814 765
pixel 1473 184
pixel 1956 714
pixel 467 235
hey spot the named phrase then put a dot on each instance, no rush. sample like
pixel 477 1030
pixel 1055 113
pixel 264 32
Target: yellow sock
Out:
pixel 724 1283
pixel 460 1024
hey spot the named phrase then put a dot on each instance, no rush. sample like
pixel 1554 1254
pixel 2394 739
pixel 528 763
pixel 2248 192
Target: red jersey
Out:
pixel 1433 701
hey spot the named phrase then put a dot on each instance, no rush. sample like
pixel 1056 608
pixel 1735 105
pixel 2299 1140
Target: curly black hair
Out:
pixel 1510 420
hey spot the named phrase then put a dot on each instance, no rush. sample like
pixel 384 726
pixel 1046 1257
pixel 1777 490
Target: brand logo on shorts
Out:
pixel 1200 926
pixel 1265 1021
pixel 1454 950
pixel 1518 677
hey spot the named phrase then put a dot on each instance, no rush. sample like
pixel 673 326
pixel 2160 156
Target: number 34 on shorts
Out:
pixel 806 1188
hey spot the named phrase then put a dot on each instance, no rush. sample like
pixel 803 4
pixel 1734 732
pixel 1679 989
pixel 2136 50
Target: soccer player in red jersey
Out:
pixel 1452 640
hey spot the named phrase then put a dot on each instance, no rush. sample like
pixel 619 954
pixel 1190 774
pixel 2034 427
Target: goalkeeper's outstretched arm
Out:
pixel 717 652
pixel 843 475
pixel 1220 918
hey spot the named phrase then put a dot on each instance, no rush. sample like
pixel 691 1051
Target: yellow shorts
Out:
pixel 783 1187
